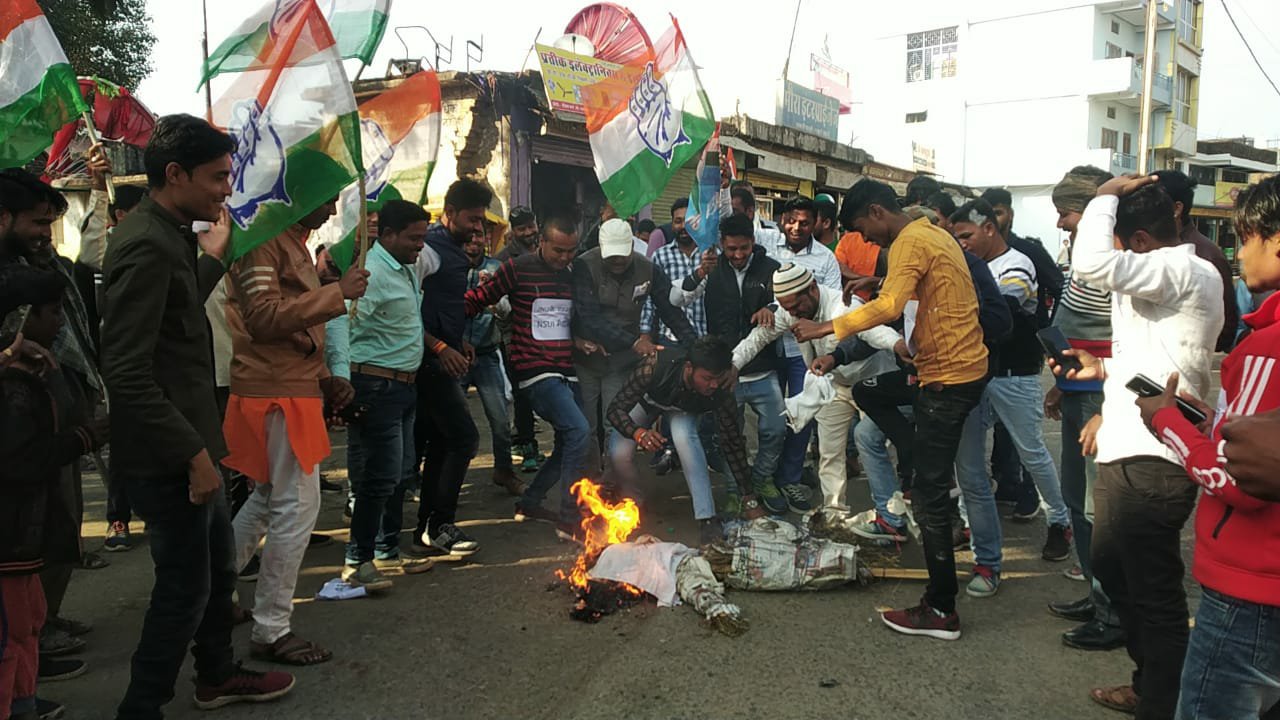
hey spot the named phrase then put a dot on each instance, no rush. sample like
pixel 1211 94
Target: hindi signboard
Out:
pixel 565 73
pixel 807 110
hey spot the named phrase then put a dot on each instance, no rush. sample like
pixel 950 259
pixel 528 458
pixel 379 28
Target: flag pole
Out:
pixel 362 235
pixel 204 47
pixel 92 132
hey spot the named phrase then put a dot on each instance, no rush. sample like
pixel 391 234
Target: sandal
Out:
pixel 1121 698
pixel 93 561
pixel 290 650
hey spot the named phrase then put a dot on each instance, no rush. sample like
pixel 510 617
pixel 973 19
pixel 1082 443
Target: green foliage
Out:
pixel 112 40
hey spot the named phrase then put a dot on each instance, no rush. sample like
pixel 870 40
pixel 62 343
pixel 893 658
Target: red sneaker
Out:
pixel 923 620
pixel 244 685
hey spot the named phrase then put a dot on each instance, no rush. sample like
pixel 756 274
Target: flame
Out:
pixel 607 524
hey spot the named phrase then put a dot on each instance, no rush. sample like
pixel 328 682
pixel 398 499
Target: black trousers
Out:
pixel 446 439
pixel 940 415
pixel 1140 507
pixel 522 410
pixel 193 548
pixel 881 399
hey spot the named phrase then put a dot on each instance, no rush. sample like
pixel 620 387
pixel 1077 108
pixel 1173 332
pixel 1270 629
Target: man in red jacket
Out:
pixel 1232 667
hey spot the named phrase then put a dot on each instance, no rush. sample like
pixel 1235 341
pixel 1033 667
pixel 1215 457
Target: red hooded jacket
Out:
pixel 1237 535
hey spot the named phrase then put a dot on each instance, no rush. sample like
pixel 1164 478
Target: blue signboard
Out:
pixel 807 110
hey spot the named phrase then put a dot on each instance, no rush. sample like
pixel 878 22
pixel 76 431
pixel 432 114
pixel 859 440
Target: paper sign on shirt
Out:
pixel 550 319
pixel 640 291
pixel 909 324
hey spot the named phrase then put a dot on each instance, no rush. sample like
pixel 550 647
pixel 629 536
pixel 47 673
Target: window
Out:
pixel 1115 28
pixel 1184 96
pixel 931 54
pixel 1127 146
pixel 1235 176
pixel 917 117
pixel 1110 138
pixel 1113 51
pixel 1188 21
pixel 1111 113
pixel 1202 174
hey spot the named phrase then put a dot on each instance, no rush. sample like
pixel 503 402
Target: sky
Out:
pixel 741 53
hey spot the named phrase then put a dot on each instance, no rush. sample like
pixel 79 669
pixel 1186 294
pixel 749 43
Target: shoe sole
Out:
pixel 981 593
pixel 1078 577
pixel 63 652
pixel 1023 517
pixel 1094 648
pixel 1055 558
pixel 373 587
pixel 456 553
pixel 233 699
pixel 935 634
pixel 116 548
pixel 84 668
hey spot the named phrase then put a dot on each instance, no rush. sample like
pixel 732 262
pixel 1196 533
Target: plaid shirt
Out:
pixel 677 266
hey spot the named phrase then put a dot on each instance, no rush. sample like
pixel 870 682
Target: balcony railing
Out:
pixel 1123 161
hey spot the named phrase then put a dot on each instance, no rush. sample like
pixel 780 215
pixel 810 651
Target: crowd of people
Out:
pixel 879 328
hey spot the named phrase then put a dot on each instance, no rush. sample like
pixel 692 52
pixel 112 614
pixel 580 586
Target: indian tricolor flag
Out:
pixel 646 122
pixel 38 89
pixel 295 126
pixel 357 26
pixel 399 136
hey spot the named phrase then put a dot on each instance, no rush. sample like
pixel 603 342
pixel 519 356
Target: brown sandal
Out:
pixel 290 650
pixel 1121 698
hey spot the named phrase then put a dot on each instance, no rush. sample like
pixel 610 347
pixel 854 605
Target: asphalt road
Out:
pixel 491 638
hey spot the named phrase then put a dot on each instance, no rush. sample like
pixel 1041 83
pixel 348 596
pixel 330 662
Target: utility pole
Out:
pixel 786 67
pixel 1148 85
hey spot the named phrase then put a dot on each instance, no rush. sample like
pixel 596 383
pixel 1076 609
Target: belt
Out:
pixel 375 371
pixel 1015 372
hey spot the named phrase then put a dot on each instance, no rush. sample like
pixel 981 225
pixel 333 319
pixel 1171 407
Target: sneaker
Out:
pixel 1075 572
pixel 529 465
pixel 365 575
pixel 985 582
pixel 773 501
pixel 118 538
pixel 55 669
pixel 1027 508
pixel 506 479
pixel 250 571
pixel 419 549
pixel 923 620
pixel 328 486
pixel 453 541
pixel 244 685
pixel 879 530
pixel 49 710
pixel 71 627
pixel 709 531
pixel 797 497
pixel 1057 547
pixel 56 643
pixel 525 513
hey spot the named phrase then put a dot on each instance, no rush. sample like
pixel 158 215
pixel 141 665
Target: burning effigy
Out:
pixel 612 571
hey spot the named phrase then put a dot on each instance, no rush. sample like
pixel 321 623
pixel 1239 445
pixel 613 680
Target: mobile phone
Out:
pixel 1054 344
pixel 15 321
pixel 1145 387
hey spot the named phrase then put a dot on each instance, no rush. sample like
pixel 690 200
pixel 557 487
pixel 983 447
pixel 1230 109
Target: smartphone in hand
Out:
pixel 1144 386
pixel 1054 344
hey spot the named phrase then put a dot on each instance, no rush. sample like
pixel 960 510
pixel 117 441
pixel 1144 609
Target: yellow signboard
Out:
pixel 1224 193
pixel 565 73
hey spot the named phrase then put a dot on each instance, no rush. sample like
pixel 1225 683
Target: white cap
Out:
pixel 615 238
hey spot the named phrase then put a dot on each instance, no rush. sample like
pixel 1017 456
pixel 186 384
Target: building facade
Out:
pixel 1018 96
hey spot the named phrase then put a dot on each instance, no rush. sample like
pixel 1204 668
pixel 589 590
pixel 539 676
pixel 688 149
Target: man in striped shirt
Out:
pixel 539 286
pixel 1012 395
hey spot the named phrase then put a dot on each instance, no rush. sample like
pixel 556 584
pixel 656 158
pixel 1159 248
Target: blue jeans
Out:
pixel 382 462
pixel 873 450
pixel 796 444
pixel 1232 668
pixel 764 397
pixel 978 502
pixel 1018 402
pixel 684 435
pixel 1079 473
pixel 557 401
pixel 490 381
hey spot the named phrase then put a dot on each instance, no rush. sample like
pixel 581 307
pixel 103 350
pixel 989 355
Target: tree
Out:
pixel 108 38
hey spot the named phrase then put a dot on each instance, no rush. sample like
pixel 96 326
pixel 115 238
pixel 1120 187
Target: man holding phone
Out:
pixel 1166 311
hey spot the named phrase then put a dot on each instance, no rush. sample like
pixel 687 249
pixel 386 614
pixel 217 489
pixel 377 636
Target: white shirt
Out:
pixel 831 304
pixel 816 258
pixel 1166 313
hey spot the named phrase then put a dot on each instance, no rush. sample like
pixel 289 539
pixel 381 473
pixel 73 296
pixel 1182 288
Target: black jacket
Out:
pixel 157 360
pixel 729 312
pixel 1049 278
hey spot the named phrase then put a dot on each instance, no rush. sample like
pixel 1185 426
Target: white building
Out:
pixel 1016 96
